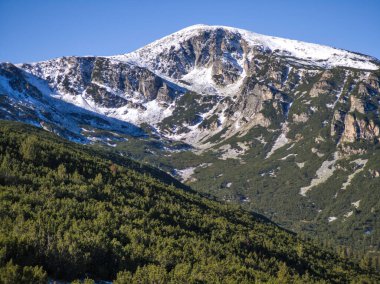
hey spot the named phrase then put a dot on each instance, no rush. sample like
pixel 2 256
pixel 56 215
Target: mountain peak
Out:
pixel 303 52
pixel 250 118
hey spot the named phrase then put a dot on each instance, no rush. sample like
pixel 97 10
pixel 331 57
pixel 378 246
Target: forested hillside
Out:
pixel 281 127
pixel 69 212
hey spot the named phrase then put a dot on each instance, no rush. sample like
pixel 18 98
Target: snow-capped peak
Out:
pixel 307 53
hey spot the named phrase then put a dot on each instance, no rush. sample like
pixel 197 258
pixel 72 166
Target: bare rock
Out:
pixel 355 129
pixel 300 118
pixel 351 130
pixel 323 86
pixel 357 104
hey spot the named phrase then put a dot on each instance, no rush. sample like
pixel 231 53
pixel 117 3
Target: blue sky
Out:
pixel 33 30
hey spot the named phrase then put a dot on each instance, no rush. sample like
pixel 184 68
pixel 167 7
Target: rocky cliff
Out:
pixel 277 125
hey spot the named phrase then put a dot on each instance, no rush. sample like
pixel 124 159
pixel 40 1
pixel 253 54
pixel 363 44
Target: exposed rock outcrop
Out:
pixel 300 118
pixel 355 129
pixel 323 86
pixel 248 79
pixel 357 104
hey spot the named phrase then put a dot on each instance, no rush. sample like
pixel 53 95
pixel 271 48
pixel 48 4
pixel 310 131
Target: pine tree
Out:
pixel 29 148
pixel 62 172
pixel 283 274
pixel 98 179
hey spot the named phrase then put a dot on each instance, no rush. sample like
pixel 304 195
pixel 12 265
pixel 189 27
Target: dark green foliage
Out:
pixel 76 213
pixel 29 148
pixel 12 274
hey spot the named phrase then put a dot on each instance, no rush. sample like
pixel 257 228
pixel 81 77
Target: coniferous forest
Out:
pixel 70 212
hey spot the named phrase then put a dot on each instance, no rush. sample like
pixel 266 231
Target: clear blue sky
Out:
pixel 33 30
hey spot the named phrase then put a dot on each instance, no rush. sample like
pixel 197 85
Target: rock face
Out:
pixel 300 118
pixel 324 86
pixel 351 129
pixel 356 129
pixel 279 114
pixel 253 79
pixel 25 97
pixel 357 117
pixel 220 50
pixel 102 80
pixel 357 104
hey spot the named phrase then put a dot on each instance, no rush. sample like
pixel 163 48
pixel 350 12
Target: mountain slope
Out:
pixel 75 213
pixel 189 42
pixel 284 128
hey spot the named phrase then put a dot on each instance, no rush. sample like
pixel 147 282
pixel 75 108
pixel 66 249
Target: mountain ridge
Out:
pixel 272 43
pixel 244 123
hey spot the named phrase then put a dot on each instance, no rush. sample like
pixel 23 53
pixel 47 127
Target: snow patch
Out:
pixel 323 173
pixel 332 219
pixel 359 162
pixel 356 204
pixel 261 139
pixel 306 53
pixel 281 140
pixel 232 153
pixel 287 156
pixel 186 174
pixel 201 81
pixel 300 165
pixel 315 151
pixel 348 214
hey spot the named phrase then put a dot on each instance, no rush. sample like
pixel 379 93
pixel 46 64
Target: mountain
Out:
pixel 282 127
pixel 69 211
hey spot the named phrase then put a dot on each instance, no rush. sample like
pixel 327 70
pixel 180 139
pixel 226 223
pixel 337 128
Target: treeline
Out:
pixel 69 213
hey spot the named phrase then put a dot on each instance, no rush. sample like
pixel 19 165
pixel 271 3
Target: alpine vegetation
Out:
pixel 283 128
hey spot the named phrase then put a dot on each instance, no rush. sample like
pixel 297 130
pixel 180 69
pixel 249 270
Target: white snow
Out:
pixel 261 140
pixel 300 165
pixel 151 112
pixel 314 108
pixel 361 163
pixel 332 106
pixel 201 80
pixel 332 219
pixel 53 108
pixel 186 174
pixel 281 140
pixel 271 173
pixel 111 145
pixel 315 151
pixel 306 53
pixel 323 173
pixel 348 214
pixel 232 153
pixel 356 204
pixel 287 156
pixel 290 147
pixel 154 112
